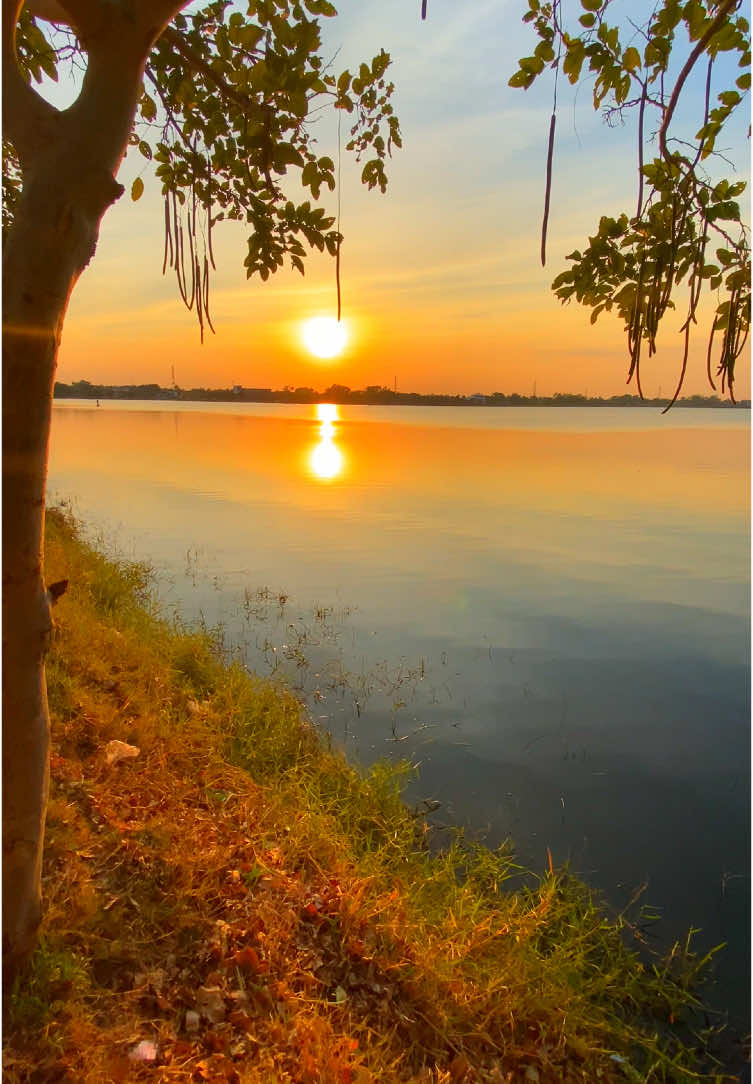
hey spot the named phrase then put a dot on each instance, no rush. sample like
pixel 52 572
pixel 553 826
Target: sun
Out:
pixel 324 336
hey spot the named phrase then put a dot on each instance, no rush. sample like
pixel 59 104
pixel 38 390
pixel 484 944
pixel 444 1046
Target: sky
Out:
pixel 442 285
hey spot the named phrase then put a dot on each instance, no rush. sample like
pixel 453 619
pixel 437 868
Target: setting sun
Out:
pixel 324 336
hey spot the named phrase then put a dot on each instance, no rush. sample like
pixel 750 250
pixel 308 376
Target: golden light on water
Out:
pixel 324 337
pixel 326 460
pixel 327 412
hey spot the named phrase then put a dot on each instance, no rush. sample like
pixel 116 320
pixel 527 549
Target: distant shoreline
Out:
pixel 371 396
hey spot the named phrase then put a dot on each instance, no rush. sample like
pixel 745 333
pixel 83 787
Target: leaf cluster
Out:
pixel 226 120
pixel 636 262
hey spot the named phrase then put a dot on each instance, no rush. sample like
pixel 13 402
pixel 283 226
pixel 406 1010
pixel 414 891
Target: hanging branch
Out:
pixel 725 9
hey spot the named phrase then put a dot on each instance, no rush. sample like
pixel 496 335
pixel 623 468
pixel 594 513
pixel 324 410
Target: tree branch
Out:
pixel 200 65
pixel 27 117
pixel 721 17
pixel 168 111
pixel 118 43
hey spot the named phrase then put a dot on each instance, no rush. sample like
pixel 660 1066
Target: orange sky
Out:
pixel 442 284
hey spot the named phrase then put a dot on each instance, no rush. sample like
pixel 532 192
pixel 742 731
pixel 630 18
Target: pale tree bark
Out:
pixel 69 161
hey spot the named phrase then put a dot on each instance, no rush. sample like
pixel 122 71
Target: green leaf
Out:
pixel 520 79
pixel 137 189
pixel 573 64
pixel 544 51
pixel 728 211
pixel 631 59
pixel 148 108
pixel 321 7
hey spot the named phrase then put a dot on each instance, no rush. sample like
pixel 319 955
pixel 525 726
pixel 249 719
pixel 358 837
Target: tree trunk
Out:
pixel 69 161
pixel 51 241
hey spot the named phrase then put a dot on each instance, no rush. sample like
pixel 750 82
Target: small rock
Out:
pixel 210 1003
pixel 145 1052
pixel 115 751
pixel 192 1020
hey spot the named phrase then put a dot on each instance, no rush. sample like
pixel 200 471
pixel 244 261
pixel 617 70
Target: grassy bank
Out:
pixel 237 903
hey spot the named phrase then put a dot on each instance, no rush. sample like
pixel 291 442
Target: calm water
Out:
pixel 547 610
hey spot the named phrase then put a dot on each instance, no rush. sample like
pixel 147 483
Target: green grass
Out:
pixel 376 958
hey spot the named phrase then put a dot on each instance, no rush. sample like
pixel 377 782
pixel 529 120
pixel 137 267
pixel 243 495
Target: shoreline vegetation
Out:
pixel 232 901
pixel 373 395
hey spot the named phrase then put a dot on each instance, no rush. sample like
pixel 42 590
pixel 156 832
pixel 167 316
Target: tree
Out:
pixel 636 263
pixel 218 102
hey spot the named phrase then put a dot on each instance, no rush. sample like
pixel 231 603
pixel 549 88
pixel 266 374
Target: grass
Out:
pixel 248 906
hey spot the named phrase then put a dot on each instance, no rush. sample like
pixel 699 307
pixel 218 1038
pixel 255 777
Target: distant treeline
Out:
pixel 372 395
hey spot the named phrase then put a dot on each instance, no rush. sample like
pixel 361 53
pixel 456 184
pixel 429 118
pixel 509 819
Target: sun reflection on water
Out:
pixel 326 461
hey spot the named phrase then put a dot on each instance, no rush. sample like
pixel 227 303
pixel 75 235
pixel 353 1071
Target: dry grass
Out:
pixel 241 899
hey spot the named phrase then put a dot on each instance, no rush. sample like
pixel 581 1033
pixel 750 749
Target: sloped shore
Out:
pixel 227 899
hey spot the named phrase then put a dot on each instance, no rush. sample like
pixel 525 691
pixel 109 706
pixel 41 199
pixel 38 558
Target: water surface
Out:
pixel 546 609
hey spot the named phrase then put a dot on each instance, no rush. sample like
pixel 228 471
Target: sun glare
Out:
pixel 326 460
pixel 324 337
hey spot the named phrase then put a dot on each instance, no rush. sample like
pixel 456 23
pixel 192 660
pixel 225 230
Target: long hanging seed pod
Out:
pixel 675 233
pixel 637 321
pixel 191 262
pixel 548 193
pixel 550 147
pixel 641 112
pixel 206 293
pixel 680 382
pixel 168 235
pixel 339 203
pixel 178 234
pixel 708 354
pixel 197 279
pixel 190 230
pixel 209 211
pixel 193 195
pixel 638 376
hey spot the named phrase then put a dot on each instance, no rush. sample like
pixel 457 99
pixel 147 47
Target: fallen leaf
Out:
pixel 115 751
pixel 210 1003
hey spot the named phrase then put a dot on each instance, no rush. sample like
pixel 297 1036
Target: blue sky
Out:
pixel 442 283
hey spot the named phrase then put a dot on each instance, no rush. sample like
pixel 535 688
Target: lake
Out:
pixel 546 609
